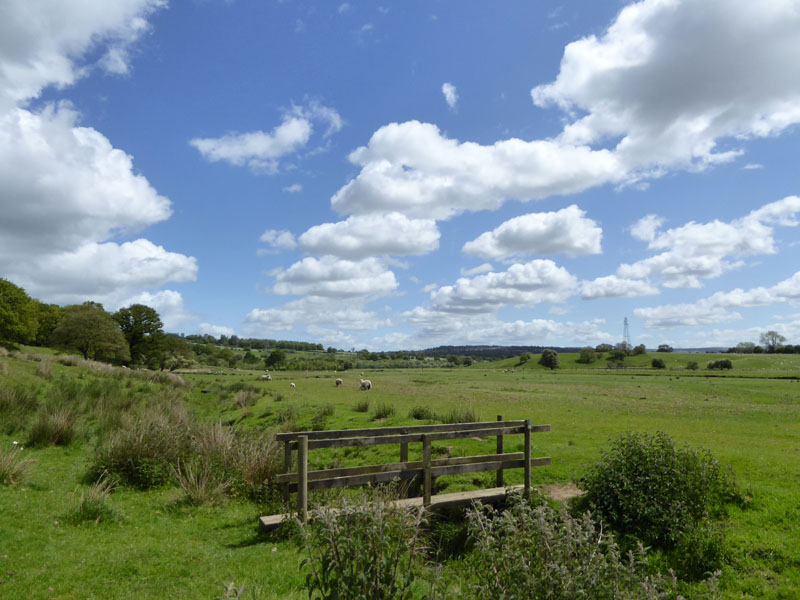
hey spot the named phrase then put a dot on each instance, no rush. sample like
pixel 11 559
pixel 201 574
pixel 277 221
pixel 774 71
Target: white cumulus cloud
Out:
pixel 332 277
pixel 566 231
pixel 450 95
pixel 612 286
pixel 368 235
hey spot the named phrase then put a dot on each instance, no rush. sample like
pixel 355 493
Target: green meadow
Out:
pixel 153 545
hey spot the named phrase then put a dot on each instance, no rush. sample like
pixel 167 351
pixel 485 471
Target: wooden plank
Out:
pixel 487 466
pixel 287 467
pixel 433 437
pixel 376 431
pixel 527 461
pixel 402 466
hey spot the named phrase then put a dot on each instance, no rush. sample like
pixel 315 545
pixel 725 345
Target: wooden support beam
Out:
pixel 287 467
pixel 302 478
pixel 426 466
pixel 499 451
pixel 527 482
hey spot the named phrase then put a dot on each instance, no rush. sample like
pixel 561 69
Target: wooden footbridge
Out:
pixel 302 480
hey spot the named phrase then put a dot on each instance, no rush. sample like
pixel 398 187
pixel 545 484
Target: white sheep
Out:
pixel 292 386
pixel 266 378
pixel 339 382
pixel 366 384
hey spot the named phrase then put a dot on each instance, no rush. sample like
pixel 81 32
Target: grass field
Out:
pixel 749 418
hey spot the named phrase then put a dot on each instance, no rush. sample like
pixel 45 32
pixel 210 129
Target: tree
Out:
pixel 48 317
pixel 658 363
pixel 640 349
pixel 588 356
pixel 745 347
pixel 139 323
pixel 523 359
pixel 664 348
pixel 549 359
pixel 18 321
pixel 91 331
pixel 276 357
pixel 771 340
pixel 604 348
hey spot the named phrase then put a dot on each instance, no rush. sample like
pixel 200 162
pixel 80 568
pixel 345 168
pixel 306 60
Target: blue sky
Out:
pixel 391 175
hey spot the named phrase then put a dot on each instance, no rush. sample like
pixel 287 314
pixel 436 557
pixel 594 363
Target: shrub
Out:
pixel 362 550
pixel 531 551
pixel 245 398
pixel 549 359
pixel 422 413
pixel 287 415
pixel 143 452
pixel 720 364
pixel 54 426
pixel 362 405
pixel 461 415
pixel 588 356
pixel 658 363
pixel 13 467
pixel 383 411
pixel 692 365
pixel 647 489
pixel 91 505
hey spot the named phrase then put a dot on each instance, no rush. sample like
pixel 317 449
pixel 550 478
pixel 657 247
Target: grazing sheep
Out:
pixel 339 382
pixel 266 378
pixel 292 386
pixel 366 384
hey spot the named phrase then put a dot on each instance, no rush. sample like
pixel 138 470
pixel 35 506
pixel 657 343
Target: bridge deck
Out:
pixel 490 496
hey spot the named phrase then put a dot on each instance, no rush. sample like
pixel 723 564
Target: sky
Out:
pixel 401 175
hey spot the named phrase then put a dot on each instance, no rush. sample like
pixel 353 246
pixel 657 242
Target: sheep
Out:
pixel 339 382
pixel 292 386
pixel 366 384
pixel 266 378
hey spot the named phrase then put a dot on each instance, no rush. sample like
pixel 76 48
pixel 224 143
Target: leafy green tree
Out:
pixel 604 348
pixel 588 356
pixel 658 363
pixel 18 321
pixel 664 348
pixel 91 331
pixel 139 323
pixel 640 349
pixel 276 358
pixel 549 359
pixel 48 317
pixel 772 340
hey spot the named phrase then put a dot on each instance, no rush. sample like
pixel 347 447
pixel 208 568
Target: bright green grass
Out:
pixel 156 551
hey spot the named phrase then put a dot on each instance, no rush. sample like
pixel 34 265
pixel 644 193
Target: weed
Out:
pixel 245 398
pixel 287 416
pixel 17 404
pixel 258 459
pixel 45 370
pixel 362 405
pixel 531 551
pixel 362 550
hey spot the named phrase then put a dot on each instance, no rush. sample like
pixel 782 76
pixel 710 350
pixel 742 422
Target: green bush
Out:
pixel 692 365
pixel 647 489
pixel 658 363
pixel 531 551
pixel 383 411
pixel 422 413
pixel 550 359
pixel 720 364
pixel 361 551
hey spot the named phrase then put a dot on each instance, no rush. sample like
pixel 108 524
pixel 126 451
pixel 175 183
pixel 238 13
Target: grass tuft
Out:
pixel 13 468
pixel 91 506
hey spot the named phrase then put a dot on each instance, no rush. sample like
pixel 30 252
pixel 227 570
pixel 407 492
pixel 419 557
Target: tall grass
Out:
pixel 53 426
pixel 200 482
pixel 13 467
pixel 465 414
pixel 91 505
pixel 17 405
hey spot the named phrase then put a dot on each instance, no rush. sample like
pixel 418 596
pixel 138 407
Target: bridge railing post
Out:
pixel 527 460
pixel 302 478
pixel 426 466
pixel 500 451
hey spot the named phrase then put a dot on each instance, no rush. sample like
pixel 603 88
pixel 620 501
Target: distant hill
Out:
pixel 493 352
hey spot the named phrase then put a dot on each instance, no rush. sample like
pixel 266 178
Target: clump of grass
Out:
pixel 45 369
pixel 362 405
pixel 422 413
pixel 461 415
pixel 286 416
pixel 246 398
pixel 70 360
pixel 144 450
pixel 13 467
pixel 91 506
pixel 54 426
pixel 383 411
pixel 200 482
pixel 258 459
pixel 17 404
